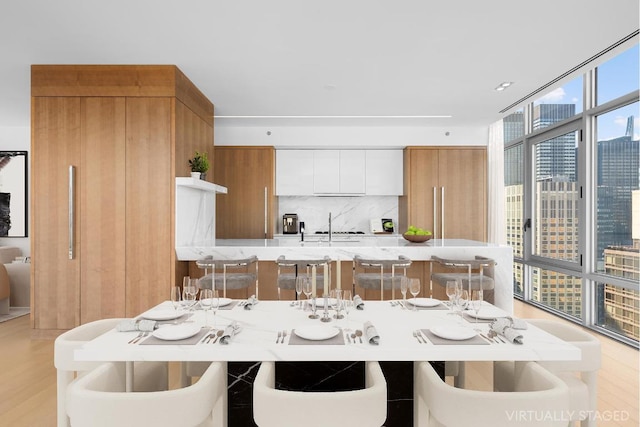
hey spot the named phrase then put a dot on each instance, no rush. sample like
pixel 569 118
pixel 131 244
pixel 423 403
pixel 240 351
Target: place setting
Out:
pixel 453 335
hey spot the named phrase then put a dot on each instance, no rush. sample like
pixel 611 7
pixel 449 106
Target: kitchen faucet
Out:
pixel 329 226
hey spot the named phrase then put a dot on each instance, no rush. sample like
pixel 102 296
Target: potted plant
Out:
pixel 199 165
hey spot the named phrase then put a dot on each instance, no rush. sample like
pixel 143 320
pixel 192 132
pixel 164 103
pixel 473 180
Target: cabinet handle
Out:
pixel 265 212
pixel 72 178
pixel 442 215
pixel 435 211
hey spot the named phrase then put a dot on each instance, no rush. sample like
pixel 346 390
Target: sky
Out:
pixel 618 76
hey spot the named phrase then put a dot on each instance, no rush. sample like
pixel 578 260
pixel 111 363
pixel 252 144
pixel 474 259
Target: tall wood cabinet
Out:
pixel 107 144
pixel 445 191
pixel 247 211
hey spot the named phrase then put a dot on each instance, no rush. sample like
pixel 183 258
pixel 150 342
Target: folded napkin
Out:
pixel 143 325
pixel 370 333
pixel 251 301
pixel 358 303
pixel 229 332
pixel 508 327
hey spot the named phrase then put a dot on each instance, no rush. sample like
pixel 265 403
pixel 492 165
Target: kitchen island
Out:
pixel 372 247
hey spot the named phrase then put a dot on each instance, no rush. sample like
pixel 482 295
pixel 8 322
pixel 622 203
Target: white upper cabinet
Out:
pixel 384 172
pixel 339 172
pixel 294 172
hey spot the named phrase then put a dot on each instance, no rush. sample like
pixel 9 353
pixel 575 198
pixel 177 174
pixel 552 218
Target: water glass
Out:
pixel 476 303
pixel 347 303
pixel 176 298
pixel 336 302
pixel 414 288
pixel 452 290
pixel 462 300
pixel 404 286
pixel 299 286
pixel 206 301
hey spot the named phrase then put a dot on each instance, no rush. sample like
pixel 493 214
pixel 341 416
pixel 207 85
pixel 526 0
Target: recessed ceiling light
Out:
pixel 503 86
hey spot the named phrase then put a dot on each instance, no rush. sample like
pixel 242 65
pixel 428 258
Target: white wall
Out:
pixel 17 139
pixel 348 136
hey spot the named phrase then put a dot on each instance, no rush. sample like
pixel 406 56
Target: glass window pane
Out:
pixel 513 126
pixel 558 105
pixel 518 279
pixel 559 291
pixel 620 310
pixel 514 205
pixel 617 167
pixel 618 76
pixel 556 198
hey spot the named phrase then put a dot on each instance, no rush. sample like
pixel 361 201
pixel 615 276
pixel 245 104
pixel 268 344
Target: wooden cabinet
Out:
pixel 103 239
pixel 445 191
pixel 248 210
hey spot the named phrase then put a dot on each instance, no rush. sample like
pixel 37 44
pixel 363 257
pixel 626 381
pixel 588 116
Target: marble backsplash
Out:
pixel 347 213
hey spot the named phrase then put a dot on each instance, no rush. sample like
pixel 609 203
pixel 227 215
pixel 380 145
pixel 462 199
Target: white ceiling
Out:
pixel 322 58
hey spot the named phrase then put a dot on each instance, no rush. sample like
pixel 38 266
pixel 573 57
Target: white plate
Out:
pixel 162 314
pixel 456 333
pixel 224 302
pixel 424 302
pixel 486 313
pixel 176 332
pixel 317 333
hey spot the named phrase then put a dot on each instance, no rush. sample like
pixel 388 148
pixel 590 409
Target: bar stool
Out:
pixel 231 278
pixel 470 279
pixel 300 268
pixel 379 280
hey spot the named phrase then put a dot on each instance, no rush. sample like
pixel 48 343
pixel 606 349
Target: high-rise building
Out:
pixel 555 158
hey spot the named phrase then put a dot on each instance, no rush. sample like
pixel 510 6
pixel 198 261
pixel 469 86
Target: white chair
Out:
pixel 539 399
pixel 580 376
pixel 149 376
pixel 281 408
pixel 99 399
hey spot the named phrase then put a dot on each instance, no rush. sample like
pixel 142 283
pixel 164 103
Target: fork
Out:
pixel 418 337
pixel 137 337
pixel 284 334
pixel 142 335
pixel 279 336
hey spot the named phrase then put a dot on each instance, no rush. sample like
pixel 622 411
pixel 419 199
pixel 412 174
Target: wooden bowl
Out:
pixel 417 238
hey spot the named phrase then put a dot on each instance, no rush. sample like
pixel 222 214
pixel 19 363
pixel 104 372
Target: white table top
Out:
pixel 256 341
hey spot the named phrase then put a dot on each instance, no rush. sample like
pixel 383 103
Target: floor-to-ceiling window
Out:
pixel 572 198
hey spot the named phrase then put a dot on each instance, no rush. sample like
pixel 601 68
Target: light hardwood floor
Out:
pixel 28 377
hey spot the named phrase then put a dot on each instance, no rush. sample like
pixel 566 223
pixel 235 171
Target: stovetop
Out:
pixel 340 232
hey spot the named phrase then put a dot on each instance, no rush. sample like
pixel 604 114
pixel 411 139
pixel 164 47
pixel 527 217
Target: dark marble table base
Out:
pixel 323 376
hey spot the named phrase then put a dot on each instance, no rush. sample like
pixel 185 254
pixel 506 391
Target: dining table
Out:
pixel 282 331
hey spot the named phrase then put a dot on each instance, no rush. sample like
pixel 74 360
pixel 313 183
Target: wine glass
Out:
pixel 462 300
pixel 206 300
pixel 336 302
pixel 404 284
pixel 476 303
pixel 414 288
pixel 452 289
pixel 299 286
pixel 347 303
pixel 307 288
pixel 215 303
pixel 176 298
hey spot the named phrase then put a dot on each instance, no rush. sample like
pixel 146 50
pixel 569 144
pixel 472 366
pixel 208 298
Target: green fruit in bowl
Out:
pixel 410 233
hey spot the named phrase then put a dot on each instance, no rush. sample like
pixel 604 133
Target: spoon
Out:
pixel 359 334
pixel 218 335
pixel 353 337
